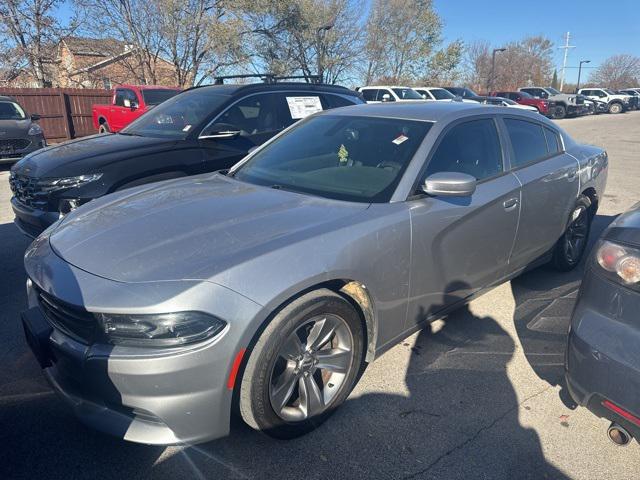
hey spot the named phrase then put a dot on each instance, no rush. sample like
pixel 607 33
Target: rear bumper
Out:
pixel 603 351
pixel 32 222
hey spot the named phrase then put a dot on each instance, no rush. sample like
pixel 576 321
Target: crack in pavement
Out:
pixel 473 437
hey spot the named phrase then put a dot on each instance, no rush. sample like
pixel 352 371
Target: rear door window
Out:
pixel 553 140
pixel 471 147
pixel 527 141
pixel 335 101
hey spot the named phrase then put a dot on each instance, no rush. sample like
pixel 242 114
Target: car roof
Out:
pixel 7 98
pixel 386 86
pixel 234 89
pixel 429 111
pixel 430 88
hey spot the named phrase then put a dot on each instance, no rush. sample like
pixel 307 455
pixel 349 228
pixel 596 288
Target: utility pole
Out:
pixel 579 72
pixel 566 48
pixel 492 75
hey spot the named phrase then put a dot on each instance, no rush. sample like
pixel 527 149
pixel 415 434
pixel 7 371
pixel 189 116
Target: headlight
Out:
pixel 54 184
pixel 34 129
pixel 620 263
pixel 159 330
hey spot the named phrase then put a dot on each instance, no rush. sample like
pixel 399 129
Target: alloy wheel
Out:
pixel 576 235
pixel 311 367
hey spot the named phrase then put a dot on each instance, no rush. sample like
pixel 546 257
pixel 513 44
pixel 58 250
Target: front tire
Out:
pixel 615 108
pixel 570 249
pixel 303 366
pixel 559 112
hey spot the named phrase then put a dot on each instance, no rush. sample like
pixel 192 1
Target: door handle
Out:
pixel 510 204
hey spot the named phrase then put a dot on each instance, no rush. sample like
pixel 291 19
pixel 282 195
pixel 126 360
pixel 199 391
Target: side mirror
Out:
pixel 220 130
pixel 386 97
pixel 449 184
pixel 133 105
pixel 35 117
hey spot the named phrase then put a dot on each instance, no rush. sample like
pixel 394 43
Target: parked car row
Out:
pixel 158 309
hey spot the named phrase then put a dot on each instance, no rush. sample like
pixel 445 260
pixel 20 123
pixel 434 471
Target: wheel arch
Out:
pixel 592 195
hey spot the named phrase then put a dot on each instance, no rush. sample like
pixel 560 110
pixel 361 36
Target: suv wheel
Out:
pixel 104 128
pixel 560 111
pixel 571 247
pixel 615 108
pixel 303 366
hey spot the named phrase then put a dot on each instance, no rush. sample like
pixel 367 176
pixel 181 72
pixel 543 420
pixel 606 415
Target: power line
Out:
pixel 566 48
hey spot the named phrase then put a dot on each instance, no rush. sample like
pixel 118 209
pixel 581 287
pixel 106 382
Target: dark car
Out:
pixel 464 92
pixel 19 135
pixel 603 353
pixel 200 130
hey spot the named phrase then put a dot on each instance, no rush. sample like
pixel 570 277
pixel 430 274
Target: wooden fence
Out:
pixel 65 112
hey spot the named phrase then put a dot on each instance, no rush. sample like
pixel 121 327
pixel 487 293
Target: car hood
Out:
pixel 191 228
pixel 85 155
pixel 14 128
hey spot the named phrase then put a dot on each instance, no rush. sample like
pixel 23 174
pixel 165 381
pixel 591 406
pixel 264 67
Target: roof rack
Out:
pixel 266 78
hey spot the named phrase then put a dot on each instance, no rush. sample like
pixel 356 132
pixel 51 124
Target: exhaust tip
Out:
pixel 618 435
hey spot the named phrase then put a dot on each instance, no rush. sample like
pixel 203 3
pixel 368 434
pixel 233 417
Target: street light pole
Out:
pixel 493 69
pixel 320 55
pixel 579 72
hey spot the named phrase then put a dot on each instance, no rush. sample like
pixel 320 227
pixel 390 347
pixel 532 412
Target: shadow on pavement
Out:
pixel 544 302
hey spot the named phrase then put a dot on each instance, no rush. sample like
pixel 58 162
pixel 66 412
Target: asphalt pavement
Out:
pixel 478 395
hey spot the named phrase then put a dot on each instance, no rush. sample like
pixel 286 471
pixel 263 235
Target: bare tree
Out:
pixel 308 37
pixel 524 62
pixel 401 41
pixel 28 34
pixel 618 71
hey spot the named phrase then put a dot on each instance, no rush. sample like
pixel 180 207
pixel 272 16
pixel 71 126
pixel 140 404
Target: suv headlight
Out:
pixel 159 330
pixel 620 263
pixel 34 129
pixel 54 184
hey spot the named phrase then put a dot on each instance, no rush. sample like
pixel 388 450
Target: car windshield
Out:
pixel 11 111
pixel 553 91
pixel 178 116
pixel 359 159
pixel 407 94
pixel 525 95
pixel 442 94
pixel 157 96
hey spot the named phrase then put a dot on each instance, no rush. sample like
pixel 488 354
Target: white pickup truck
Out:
pixel 617 103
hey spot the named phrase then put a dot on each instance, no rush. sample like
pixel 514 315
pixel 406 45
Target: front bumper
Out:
pixel 10 156
pixel 152 396
pixel 603 352
pixel 32 221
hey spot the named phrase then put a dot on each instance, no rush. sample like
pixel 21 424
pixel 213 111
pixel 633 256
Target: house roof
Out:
pixel 99 47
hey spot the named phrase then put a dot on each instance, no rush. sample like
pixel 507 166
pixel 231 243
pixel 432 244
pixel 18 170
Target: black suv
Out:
pixel 200 130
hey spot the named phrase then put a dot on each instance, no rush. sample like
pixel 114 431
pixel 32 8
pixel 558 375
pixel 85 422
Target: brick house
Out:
pixel 80 62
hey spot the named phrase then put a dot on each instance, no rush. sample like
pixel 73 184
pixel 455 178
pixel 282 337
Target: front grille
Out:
pixel 27 191
pixel 71 320
pixel 11 145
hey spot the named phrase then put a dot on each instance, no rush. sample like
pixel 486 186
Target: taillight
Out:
pixel 621 262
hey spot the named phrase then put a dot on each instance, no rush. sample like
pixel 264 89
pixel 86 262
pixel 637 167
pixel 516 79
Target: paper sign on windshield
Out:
pixel 300 107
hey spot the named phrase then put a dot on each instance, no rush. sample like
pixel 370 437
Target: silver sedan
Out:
pixel 155 311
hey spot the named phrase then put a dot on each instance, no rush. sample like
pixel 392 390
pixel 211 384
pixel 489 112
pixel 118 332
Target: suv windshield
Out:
pixel 156 96
pixel 442 94
pixel 359 159
pixel 407 94
pixel 178 116
pixel 553 91
pixel 11 111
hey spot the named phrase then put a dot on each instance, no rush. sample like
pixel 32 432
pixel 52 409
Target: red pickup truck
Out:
pixel 127 104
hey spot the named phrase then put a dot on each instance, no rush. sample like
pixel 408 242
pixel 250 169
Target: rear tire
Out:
pixel 570 248
pixel 104 128
pixel 303 366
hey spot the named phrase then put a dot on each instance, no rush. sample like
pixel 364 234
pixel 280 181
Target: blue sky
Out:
pixel 593 33
pixel 589 21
